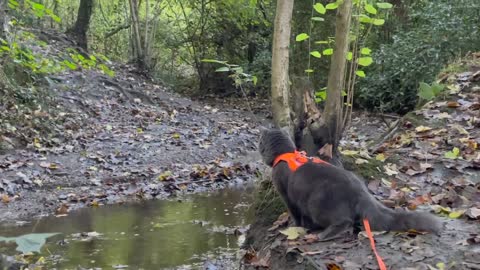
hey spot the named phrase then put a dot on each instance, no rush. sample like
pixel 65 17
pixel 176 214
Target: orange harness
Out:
pixel 295 160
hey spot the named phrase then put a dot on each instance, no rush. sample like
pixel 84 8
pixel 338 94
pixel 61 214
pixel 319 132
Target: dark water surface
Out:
pixel 149 235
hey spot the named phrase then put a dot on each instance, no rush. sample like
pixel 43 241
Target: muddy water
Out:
pixel 197 232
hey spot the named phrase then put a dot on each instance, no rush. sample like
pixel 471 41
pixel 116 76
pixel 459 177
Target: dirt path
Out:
pixel 123 139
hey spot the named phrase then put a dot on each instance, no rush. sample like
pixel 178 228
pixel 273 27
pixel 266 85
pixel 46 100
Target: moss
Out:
pixel 267 203
pixel 370 171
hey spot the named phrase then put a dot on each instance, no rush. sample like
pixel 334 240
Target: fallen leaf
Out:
pixel 473 213
pixel 456 214
pixel 5 198
pixel 453 104
pixel 62 210
pixel 380 157
pixel 349 152
pixel 421 129
pixel 453 154
pixel 293 233
pixel 165 175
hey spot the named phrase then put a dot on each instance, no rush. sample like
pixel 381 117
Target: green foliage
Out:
pixel 239 77
pixel 437 32
pixel 429 92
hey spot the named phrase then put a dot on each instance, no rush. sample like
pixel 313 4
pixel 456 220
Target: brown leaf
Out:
pixel 5 198
pixel 281 221
pixel 453 104
pixel 62 210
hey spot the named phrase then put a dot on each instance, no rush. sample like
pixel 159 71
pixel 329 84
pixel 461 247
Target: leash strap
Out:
pixel 380 262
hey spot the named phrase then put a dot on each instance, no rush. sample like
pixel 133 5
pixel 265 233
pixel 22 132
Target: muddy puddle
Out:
pixel 194 232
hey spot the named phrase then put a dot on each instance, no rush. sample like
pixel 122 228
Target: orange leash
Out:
pixel 380 262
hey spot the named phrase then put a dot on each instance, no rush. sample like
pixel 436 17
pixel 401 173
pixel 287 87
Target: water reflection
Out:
pixel 149 235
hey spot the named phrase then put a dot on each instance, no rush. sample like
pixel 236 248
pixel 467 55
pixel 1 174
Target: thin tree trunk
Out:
pixel 3 16
pixel 136 35
pixel 280 62
pixel 79 30
pixel 336 77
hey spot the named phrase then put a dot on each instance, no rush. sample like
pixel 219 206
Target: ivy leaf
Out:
pixel 308 70
pixel 222 69
pixel 316 54
pixel 320 8
pixel 321 42
pixel 370 9
pixel 332 6
pixel 378 22
pixel 302 37
pixel 360 73
pixel 328 51
pixel 365 61
pixel 384 5
pixel 318 19
pixel 365 51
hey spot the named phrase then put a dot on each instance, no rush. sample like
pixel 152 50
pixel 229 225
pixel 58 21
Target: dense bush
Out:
pixel 437 32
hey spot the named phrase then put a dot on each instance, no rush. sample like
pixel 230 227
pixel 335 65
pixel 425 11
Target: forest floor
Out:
pixel 112 140
pixel 428 160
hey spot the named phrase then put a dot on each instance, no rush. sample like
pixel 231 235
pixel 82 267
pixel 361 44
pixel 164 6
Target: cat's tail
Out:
pixel 382 218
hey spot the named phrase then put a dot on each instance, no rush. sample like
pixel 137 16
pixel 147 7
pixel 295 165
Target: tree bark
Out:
pixel 79 30
pixel 280 62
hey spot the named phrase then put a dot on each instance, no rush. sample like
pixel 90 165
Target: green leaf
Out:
pixel 13 4
pixel 308 70
pixel 384 5
pixel 302 37
pixel 318 19
pixel 365 61
pixel 316 54
pixel 321 42
pixel 365 19
pixel 365 51
pixel 344 94
pixel 254 80
pixel 349 56
pixel 222 69
pixel 29 242
pixel 360 73
pixel 69 64
pixel 320 8
pixel 425 91
pixel 328 51
pixel 453 154
pixel 370 9
pixel 378 22
pixel 321 94
pixel 331 6
pixel 437 88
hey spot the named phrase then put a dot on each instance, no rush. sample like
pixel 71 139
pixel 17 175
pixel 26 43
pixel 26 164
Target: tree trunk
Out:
pixel 280 61
pixel 79 30
pixel 137 40
pixel 336 77
pixel 3 17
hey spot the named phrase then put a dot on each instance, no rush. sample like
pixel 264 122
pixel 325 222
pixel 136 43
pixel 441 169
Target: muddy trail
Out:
pixel 121 139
